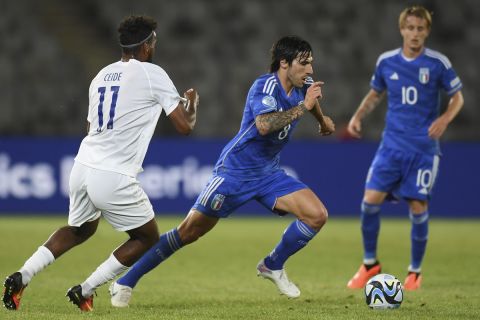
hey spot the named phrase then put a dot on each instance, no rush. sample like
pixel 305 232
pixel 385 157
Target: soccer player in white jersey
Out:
pixel 126 99
pixel 406 163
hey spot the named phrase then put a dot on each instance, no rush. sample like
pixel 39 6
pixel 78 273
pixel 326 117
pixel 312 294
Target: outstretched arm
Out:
pixel 184 116
pixel 368 104
pixel 274 121
pixel 439 126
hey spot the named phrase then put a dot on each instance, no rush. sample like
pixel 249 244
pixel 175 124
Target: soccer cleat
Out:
pixel 279 277
pixel 75 296
pixel 120 295
pixel 12 293
pixel 412 281
pixel 362 276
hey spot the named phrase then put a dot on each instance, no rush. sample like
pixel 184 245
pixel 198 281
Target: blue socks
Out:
pixel 295 237
pixel 169 243
pixel 419 236
pixel 370 221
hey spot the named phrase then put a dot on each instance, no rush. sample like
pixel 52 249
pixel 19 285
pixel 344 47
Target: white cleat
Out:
pixel 120 295
pixel 279 277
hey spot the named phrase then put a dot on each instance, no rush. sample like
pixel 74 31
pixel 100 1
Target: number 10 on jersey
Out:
pixel 409 95
pixel 102 90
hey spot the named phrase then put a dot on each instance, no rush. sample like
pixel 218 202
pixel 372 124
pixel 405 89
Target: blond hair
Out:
pixel 417 11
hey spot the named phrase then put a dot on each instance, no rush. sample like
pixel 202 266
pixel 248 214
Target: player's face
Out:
pixel 414 33
pixel 300 69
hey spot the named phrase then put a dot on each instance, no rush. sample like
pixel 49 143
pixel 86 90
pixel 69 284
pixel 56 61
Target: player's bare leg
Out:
pixel 141 239
pixel 370 222
pixel 68 237
pixel 57 244
pixel 312 215
pixel 195 225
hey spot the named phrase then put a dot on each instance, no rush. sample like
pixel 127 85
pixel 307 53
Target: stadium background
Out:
pixel 52 48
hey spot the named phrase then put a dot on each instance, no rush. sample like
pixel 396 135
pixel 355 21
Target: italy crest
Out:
pixel 217 202
pixel 424 75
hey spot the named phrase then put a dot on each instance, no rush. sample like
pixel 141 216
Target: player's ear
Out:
pixel 146 48
pixel 283 64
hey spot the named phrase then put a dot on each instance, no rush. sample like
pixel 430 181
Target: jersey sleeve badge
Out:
pixel 269 102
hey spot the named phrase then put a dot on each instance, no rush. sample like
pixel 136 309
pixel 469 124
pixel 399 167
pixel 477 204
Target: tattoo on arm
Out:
pixel 368 104
pixel 274 121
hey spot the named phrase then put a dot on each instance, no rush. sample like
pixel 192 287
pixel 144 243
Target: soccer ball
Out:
pixel 383 291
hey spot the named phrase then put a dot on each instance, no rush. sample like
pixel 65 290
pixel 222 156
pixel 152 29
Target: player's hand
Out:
pixel 193 98
pixel 355 128
pixel 437 128
pixel 327 127
pixel 314 92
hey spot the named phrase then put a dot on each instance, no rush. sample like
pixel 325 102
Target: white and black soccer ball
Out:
pixel 384 291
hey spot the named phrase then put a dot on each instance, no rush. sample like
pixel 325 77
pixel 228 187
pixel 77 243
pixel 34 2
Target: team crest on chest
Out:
pixel 424 75
pixel 217 202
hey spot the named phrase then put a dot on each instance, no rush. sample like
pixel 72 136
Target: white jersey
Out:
pixel 125 102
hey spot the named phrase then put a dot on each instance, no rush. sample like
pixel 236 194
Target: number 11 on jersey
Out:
pixel 102 90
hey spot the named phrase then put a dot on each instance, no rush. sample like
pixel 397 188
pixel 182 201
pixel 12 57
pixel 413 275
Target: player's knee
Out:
pixel 188 235
pixel 81 233
pixel 150 240
pixel 417 207
pixel 318 219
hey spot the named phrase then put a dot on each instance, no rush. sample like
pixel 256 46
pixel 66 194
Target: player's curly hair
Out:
pixel 288 48
pixel 417 11
pixel 135 29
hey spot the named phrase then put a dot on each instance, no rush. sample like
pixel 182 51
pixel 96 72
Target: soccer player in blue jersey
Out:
pixel 248 169
pixel 406 163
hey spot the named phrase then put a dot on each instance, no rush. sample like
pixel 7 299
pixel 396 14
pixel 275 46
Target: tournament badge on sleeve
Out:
pixel 424 75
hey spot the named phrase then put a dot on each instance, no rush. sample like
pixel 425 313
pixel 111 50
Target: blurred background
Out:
pixel 53 48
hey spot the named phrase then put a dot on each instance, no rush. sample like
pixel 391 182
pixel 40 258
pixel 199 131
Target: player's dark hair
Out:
pixel 135 30
pixel 288 48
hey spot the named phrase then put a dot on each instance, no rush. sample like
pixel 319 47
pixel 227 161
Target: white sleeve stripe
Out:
pixel 457 87
pixel 437 55
pixel 270 92
pixel 270 85
pixel 267 83
pixel 386 55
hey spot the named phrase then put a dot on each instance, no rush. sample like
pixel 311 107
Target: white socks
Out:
pixel 107 271
pixel 36 263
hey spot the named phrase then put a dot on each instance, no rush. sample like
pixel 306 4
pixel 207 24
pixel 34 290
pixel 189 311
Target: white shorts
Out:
pixel 119 198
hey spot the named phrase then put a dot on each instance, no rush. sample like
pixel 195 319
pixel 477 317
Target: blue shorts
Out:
pixel 224 193
pixel 403 174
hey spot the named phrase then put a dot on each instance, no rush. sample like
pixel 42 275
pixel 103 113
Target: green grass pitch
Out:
pixel 215 278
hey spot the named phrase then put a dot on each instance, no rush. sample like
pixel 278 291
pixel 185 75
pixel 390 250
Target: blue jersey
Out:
pixel 413 89
pixel 249 155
